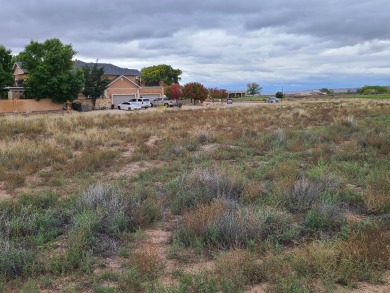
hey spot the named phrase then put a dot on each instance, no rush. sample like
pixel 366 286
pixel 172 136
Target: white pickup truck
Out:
pixel 166 102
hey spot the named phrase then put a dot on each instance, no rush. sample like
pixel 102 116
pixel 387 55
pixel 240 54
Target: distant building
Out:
pixel 236 94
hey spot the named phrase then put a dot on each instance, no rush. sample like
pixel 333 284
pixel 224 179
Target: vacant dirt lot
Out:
pixel 249 197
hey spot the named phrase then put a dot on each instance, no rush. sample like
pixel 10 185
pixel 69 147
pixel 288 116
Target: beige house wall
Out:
pixel 18 71
pixel 152 90
pixel 121 86
pixel 123 83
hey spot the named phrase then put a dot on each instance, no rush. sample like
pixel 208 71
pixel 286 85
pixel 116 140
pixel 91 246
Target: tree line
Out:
pixel 51 74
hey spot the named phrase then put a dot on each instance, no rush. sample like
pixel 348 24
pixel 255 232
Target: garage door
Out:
pixel 117 99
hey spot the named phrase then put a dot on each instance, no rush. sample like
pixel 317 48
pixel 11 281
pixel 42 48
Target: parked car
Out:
pixel 128 106
pixel 166 103
pixel 273 100
pixel 229 101
pixel 143 102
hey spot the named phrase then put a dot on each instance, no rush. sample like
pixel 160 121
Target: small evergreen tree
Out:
pixel 95 82
pixel 279 95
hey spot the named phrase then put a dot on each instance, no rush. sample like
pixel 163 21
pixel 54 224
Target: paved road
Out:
pixel 190 107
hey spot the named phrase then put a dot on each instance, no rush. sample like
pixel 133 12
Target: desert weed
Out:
pixel 203 185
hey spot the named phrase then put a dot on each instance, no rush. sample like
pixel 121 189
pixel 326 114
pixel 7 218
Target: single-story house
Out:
pixel 236 94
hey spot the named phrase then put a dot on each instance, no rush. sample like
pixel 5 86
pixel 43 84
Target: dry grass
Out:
pixel 148 263
pixel 271 179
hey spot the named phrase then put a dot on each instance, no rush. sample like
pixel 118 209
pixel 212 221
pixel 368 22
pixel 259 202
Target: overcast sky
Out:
pixel 294 44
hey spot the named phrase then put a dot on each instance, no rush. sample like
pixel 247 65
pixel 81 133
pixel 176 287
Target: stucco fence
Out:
pixel 28 106
pixel 31 105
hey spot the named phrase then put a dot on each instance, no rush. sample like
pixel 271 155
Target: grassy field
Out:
pixel 289 197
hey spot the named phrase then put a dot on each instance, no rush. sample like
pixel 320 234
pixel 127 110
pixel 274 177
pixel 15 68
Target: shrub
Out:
pixel 148 262
pixel 100 217
pixel 324 215
pixel 280 136
pixel 203 137
pixel 230 225
pixel 243 224
pixel 117 211
pixel 237 268
pixel 377 195
pixel 200 282
pixel 110 206
pixel 293 284
pixel 91 162
pixel 131 281
pixel 361 257
pixel 42 201
pixel 305 193
pixel 204 185
pixel 82 241
pixel 14 260
pixel 30 286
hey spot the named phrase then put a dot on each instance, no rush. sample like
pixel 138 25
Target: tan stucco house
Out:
pixel 125 84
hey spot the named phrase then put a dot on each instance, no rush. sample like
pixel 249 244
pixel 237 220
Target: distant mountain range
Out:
pixel 308 92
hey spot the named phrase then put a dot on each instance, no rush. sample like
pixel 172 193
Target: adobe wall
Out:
pixel 6 106
pixel 28 105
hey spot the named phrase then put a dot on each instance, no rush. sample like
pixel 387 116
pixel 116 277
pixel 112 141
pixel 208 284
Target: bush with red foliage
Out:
pixel 195 91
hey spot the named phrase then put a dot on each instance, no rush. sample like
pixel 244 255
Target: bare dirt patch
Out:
pixel 152 141
pixel 134 168
pixel 209 148
pixel 129 150
pixel 257 289
pixel 369 288
pixel 4 195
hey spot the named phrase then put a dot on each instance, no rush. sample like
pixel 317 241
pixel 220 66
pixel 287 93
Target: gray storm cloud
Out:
pixel 218 42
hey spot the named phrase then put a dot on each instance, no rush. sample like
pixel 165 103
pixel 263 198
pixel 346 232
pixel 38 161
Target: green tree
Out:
pixel 327 91
pixel 95 82
pixel 51 71
pixel 279 95
pixel 6 78
pixel 195 91
pixel 253 88
pixel 372 90
pixel 154 74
